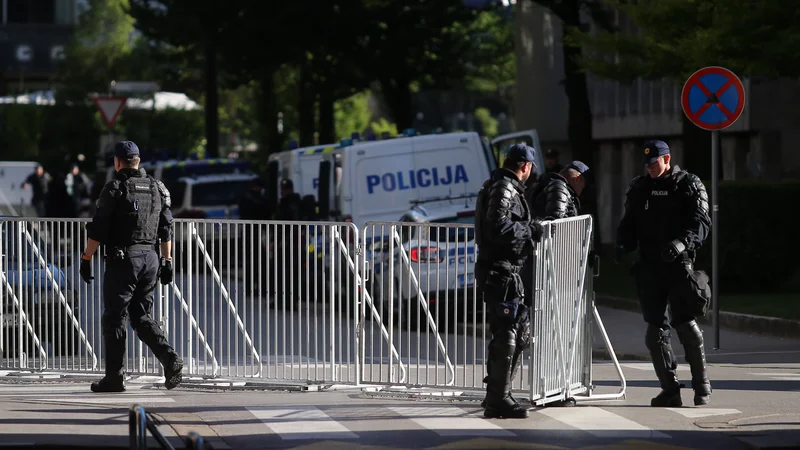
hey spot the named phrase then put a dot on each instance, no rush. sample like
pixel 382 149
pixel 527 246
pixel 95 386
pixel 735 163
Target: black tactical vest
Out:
pixel 136 212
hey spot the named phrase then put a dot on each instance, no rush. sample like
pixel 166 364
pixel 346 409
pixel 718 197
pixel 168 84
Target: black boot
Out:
pixel 173 367
pixel 499 402
pixel 691 337
pixel 657 341
pixel 109 383
pixel 114 342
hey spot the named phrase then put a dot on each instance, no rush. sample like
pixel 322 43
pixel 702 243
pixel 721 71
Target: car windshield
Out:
pixel 221 193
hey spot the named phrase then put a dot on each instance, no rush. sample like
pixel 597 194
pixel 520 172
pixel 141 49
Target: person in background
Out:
pixel 551 163
pixel 39 182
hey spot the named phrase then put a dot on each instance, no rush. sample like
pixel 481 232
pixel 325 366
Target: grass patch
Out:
pixel 615 281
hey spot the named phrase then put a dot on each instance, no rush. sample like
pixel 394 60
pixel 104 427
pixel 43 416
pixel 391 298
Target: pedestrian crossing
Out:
pixel 356 422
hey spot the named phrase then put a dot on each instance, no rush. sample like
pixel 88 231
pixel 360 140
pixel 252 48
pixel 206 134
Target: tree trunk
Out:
pixel 212 103
pixel 270 140
pixel 305 107
pixel 579 128
pixel 327 124
pixel 397 94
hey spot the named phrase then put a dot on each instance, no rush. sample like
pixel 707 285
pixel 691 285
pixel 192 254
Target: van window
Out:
pixel 219 193
pixel 491 158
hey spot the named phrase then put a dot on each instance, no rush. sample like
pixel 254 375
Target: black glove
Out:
pixel 552 226
pixel 536 231
pixel 672 250
pixel 166 274
pixel 619 253
pixel 86 270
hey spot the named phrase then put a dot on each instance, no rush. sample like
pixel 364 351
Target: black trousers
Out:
pixel 509 323
pixel 658 286
pixel 128 287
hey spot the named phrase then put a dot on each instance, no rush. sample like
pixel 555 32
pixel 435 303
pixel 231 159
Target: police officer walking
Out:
pixel 133 212
pixel 666 218
pixel 505 234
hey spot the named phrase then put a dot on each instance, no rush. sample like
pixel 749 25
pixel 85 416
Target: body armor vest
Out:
pixel 136 213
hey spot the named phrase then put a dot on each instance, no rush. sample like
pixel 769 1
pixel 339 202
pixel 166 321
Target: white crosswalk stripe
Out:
pixel 301 422
pixel 314 423
pixel 778 376
pixel 450 421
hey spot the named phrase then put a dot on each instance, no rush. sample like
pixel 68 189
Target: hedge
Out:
pixel 757 247
pixel 55 135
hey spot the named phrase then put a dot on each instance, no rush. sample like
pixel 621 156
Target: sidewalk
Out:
pixel 626 330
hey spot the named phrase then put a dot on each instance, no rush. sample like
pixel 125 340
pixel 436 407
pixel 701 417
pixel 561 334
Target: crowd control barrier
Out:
pixel 392 304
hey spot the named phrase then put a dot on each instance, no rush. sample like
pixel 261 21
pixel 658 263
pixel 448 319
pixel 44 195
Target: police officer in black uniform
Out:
pixel 505 234
pixel 133 213
pixel 558 194
pixel 666 218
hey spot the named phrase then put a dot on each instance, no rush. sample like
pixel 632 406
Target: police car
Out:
pixel 442 259
pixel 34 282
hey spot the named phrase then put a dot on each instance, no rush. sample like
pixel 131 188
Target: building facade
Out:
pixel 757 146
pixel 33 34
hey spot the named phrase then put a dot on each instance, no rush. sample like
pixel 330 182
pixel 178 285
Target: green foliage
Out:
pixel 101 50
pixel 753 257
pixel 382 126
pixel 497 73
pixel 164 129
pixel 678 37
pixel 70 130
pixel 352 115
pixel 488 123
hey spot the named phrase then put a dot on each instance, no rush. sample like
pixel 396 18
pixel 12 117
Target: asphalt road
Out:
pixel 749 402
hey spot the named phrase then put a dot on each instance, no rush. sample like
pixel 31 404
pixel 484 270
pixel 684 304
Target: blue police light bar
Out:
pixel 409 132
pixel 346 142
pixel 292 144
pixel 372 137
pixel 355 137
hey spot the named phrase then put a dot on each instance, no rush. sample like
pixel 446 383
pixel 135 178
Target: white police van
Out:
pixel 209 196
pixel 362 181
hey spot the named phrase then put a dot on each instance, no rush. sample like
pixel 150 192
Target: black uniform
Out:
pixel 504 234
pixel 667 219
pixel 553 198
pixel 133 213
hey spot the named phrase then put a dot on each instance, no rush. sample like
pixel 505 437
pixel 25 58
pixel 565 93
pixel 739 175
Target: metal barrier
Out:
pixel 257 300
pixel 307 302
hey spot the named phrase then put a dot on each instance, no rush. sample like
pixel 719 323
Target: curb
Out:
pixel 771 326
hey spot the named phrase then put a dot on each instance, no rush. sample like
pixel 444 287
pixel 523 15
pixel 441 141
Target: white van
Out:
pixel 381 180
pixel 14 200
pixel 301 165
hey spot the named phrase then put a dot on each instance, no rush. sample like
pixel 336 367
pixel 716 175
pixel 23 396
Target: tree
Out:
pixel 677 37
pixel 102 49
pixel 420 44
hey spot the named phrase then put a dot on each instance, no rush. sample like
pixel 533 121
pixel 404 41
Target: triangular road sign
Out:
pixel 110 107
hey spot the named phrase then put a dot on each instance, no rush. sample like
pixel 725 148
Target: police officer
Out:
pixel 289 205
pixel 558 194
pixel 666 218
pixel 133 212
pixel 505 234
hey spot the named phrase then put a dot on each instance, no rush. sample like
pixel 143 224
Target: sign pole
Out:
pixel 715 233
pixel 713 99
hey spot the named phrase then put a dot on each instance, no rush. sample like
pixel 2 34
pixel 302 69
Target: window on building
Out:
pixel 30 11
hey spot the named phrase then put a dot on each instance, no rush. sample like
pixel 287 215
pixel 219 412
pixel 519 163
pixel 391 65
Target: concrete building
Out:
pixel 33 34
pixel 758 145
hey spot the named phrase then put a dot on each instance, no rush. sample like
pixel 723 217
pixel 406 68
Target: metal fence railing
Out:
pixel 306 302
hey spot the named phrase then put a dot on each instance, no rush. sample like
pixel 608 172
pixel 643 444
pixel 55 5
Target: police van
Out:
pixel 379 180
pixel 171 171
